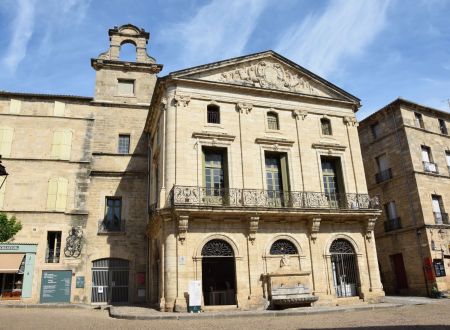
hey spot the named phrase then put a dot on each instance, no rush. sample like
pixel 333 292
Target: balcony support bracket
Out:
pixel 183 222
pixel 315 227
pixel 369 226
pixel 253 228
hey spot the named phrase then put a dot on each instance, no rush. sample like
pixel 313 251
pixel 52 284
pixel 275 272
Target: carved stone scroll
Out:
pixel 369 226
pixel 241 107
pixel 253 228
pixel 315 227
pixel 181 100
pixel 183 221
pixel 299 113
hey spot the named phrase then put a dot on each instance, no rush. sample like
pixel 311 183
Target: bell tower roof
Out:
pixel 125 81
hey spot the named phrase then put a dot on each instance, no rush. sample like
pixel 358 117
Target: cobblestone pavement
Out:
pixel 433 316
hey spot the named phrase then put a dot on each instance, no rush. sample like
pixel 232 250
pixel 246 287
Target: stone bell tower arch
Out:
pixel 125 82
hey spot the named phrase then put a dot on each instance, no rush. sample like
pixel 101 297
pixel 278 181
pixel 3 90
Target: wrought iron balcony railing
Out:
pixel 52 256
pixel 441 218
pixel 392 224
pixel 383 175
pixel 106 226
pixel 232 197
pixel 430 167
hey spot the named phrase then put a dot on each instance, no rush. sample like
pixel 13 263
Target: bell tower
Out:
pixel 125 82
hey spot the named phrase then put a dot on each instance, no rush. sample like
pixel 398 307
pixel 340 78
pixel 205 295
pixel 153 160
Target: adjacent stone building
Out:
pixel 406 152
pixel 243 177
pixel 78 183
pixel 257 188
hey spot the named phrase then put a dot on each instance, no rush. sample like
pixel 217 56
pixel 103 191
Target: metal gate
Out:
pixel 345 270
pixel 110 279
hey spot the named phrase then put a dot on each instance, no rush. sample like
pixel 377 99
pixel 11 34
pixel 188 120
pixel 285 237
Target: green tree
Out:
pixel 8 227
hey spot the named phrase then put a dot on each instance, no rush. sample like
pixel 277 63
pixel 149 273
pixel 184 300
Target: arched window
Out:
pixel 326 126
pixel 272 121
pixel 283 246
pixel 341 246
pixel 213 114
pixel 127 52
pixel 217 248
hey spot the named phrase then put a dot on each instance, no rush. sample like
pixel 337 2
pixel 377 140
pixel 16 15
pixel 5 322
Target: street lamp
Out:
pixel 2 172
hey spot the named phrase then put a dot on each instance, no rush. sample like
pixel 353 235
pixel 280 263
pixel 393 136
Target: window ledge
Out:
pixel 211 125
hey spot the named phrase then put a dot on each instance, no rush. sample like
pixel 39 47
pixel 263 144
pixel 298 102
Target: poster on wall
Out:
pixel 56 286
pixel 195 296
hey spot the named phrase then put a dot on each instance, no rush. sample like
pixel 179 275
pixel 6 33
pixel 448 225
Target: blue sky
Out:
pixel 377 50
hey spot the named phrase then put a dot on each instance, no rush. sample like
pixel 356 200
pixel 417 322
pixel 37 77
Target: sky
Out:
pixel 377 50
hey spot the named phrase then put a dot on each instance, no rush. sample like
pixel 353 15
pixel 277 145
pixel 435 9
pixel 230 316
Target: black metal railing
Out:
pixel 52 256
pixel 392 224
pixel 213 117
pixel 430 167
pixel 441 218
pixel 383 175
pixel 232 197
pixel 106 226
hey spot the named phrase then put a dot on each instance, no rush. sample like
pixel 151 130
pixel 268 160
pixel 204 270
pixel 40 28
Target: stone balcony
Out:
pixel 193 196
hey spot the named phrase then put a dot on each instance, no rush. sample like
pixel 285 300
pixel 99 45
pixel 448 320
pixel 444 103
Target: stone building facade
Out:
pixel 257 189
pixel 78 183
pixel 245 177
pixel 406 153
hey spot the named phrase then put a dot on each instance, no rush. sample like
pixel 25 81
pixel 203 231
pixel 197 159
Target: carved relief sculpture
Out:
pixel 270 75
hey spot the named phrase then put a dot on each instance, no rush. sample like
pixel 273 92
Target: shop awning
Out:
pixel 10 262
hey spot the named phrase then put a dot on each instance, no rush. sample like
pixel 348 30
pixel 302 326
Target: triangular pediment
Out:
pixel 267 70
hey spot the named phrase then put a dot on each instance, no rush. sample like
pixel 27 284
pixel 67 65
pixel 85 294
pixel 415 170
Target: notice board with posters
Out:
pixel 55 286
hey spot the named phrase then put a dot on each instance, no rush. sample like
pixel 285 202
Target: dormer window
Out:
pixel 213 114
pixel 325 123
pixel 272 121
pixel 126 87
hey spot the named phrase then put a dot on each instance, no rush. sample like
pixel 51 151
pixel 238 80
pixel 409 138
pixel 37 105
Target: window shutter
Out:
pixel 66 145
pixel 383 163
pixel 61 195
pixel 56 144
pixel 6 137
pixel 51 195
pixel 15 106
pixel 425 155
pixel 284 172
pixel 59 109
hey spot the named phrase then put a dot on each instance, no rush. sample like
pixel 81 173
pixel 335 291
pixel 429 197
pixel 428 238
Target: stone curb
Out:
pixel 187 316
pixel 75 306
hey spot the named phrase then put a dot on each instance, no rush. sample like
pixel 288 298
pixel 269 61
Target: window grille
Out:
pixel 213 114
pixel 217 248
pixel 272 121
pixel 283 246
pixel 326 126
pixel 124 144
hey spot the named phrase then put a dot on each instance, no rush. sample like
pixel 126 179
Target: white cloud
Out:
pixel 22 30
pixel 219 30
pixel 321 41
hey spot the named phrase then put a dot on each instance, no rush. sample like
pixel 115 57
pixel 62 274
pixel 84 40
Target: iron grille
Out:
pixel 283 246
pixel 217 248
pixel 201 196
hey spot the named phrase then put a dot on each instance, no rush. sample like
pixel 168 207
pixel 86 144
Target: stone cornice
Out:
pixel 214 135
pixel 99 64
pixel 329 146
pixel 256 90
pixel 272 141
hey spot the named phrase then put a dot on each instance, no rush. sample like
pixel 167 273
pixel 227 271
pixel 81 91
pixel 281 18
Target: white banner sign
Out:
pixel 195 293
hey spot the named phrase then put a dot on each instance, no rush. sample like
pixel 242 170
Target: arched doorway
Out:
pixel 110 277
pixel 218 273
pixel 344 267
